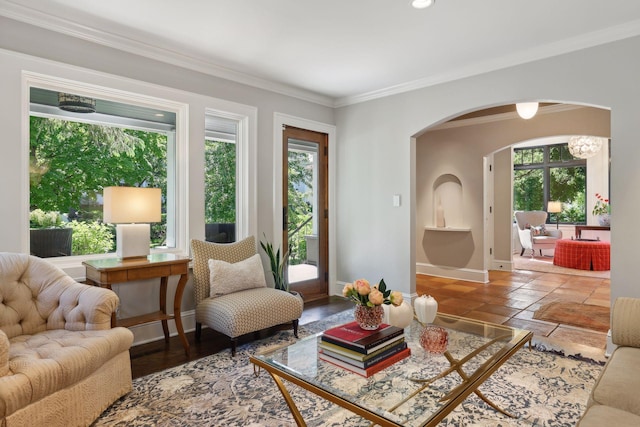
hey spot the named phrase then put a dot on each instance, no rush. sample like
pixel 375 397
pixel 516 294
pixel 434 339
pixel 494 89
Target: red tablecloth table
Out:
pixel 583 255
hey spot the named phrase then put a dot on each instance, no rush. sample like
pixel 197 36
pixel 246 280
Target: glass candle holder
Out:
pixel 434 339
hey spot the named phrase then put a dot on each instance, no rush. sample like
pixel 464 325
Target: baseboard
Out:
pixel 480 276
pixel 152 331
pixel 502 265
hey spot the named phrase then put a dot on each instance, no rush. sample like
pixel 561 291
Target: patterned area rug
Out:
pixel 587 316
pixel 541 388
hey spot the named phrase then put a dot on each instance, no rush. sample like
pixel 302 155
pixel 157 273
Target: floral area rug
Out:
pixel 541 388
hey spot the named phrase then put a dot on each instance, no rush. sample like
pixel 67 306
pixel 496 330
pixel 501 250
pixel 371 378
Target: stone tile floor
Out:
pixel 511 298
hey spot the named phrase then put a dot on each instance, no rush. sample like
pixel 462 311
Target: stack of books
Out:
pixel 363 352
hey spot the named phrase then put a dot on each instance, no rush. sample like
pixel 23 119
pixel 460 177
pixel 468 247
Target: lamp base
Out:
pixel 133 240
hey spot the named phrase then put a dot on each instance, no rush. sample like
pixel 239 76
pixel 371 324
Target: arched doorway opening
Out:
pixel 460 148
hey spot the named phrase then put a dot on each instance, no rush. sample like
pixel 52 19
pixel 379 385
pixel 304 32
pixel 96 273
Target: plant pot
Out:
pixel 51 242
pixel 604 220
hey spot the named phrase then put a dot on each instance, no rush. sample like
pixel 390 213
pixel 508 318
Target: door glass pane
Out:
pixel 302 227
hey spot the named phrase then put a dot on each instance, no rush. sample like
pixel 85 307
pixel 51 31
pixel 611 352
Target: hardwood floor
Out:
pixel 509 298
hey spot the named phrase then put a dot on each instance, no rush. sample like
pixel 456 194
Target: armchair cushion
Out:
pixel 228 277
pixel 204 251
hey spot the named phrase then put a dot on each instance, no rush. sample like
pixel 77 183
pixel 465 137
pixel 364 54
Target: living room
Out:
pixel 375 134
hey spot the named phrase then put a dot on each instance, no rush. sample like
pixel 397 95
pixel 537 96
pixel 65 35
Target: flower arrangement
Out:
pixel 362 293
pixel 602 206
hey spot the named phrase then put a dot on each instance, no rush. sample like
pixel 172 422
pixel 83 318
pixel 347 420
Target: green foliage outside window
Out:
pixel 565 182
pixel 71 162
pixel 220 182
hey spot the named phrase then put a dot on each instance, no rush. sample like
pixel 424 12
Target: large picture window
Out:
pixel 74 155
pixel 550 173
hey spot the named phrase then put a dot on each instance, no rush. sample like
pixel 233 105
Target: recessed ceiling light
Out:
pixel 422 4
pixel 159 115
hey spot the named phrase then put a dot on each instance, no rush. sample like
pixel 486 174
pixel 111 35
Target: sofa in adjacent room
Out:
pixel 61 363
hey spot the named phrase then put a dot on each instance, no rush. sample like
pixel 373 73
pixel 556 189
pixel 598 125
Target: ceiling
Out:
pixel 338 52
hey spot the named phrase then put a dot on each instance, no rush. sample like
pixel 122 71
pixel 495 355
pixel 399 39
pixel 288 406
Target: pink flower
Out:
pixel 395 298
pixel 376 297
pixel 346 291
pixel 362 286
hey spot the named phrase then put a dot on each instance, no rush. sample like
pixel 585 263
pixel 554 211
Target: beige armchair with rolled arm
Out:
pixel 61 363
pixel 532 231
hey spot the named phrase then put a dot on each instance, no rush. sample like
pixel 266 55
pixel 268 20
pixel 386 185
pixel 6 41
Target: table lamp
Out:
pixel 132 209
pixel 556 208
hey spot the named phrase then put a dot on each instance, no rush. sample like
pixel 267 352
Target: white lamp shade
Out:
pixel 131 205
pixel 554 207
pixel 527 110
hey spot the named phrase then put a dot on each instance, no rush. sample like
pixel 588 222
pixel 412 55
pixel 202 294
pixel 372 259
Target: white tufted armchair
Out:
pixel 527 222
pixel 61 363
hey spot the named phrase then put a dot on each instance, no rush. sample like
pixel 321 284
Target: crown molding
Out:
pixel 18 12
pixel 31 16
pixel 592 39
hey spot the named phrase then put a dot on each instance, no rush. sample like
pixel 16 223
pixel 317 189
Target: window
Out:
pixel 220 195
pixel 550 173
pixel 74 155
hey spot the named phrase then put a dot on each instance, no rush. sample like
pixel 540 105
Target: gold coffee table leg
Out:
pixel 290 403
pixel 455 363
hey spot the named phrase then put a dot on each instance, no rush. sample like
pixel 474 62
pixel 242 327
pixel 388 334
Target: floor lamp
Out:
pixel 132 209
pixel 556 208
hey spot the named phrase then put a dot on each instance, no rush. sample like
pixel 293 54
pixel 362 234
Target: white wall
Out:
pixel 27 48
pixel 376 139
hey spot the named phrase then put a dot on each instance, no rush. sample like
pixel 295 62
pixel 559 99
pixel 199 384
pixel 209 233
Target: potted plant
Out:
pixel 278 265
pixel 602 210
pixel 49 235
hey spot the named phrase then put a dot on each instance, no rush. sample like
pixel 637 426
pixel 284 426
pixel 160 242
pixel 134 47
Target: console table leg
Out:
pixel 163 306
pixel 177 302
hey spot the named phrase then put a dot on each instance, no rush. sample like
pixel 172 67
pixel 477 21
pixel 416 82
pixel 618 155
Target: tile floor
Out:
pixel 511 298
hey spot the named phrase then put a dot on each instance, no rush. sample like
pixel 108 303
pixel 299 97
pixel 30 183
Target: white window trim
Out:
pixel 180 172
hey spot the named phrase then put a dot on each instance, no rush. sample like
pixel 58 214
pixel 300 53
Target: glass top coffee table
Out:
pixel 417 391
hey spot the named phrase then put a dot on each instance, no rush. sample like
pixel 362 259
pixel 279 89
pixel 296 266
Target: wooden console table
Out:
pixel 579 229
pixel 107 271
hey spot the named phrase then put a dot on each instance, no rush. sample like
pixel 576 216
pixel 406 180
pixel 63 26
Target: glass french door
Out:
pixel 305 211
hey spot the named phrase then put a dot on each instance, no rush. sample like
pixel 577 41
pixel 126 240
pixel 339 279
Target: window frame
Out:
pixel 177 197
pixel 546 165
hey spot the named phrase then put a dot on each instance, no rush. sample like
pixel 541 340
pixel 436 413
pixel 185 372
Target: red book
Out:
pixel 371 369
pixel 353 337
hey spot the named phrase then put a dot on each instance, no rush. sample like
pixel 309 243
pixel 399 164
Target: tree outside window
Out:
pixel 550 173
pixel 70 164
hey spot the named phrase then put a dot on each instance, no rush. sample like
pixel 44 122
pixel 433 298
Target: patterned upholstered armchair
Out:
pixel 231 293
pixel 532 232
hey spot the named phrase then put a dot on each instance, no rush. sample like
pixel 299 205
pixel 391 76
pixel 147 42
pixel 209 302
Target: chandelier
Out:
pixel 585 146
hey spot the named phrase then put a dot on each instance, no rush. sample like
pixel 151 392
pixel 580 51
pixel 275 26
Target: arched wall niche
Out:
pixel 448 199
